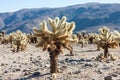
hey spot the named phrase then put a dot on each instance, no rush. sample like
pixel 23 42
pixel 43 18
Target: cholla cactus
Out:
pixel 91 38
pixel 106 41
pixel 53 41
pixel 116 36
pixel 97 41
pixel 32 38
pixel 6 39
pixel 83 38
pixel 2 36
pixel 3 32
pixel 19 41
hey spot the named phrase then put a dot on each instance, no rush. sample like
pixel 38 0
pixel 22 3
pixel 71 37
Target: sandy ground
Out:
pixel 33 64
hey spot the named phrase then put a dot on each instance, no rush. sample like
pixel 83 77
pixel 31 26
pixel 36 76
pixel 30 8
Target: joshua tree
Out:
pixel 106 41
pixel 60 36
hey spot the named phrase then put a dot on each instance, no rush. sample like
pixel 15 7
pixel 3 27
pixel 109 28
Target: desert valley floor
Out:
pixel 33 64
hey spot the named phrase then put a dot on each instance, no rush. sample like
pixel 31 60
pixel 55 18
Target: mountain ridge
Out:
pixel 89 17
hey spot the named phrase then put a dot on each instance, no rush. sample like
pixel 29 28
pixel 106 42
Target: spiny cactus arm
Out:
pixel 116 33
pixel 113 44
pixel 72 39
pixel 116 36
pixel 61 22
pixel 57 20
pixel 109 37
pixel 40 32
pixel 104 30
pixel 53 24
pixel 37 32
pixel 62 34
pixel 46 46
pixel 67 46
pixel 71 27
pixel 45 29
pixel 43 26
pixel 61 38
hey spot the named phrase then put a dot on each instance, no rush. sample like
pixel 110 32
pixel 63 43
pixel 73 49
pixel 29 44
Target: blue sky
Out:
pixel 15 5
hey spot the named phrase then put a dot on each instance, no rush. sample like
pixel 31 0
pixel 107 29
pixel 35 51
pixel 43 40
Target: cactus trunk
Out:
pixel 106 51
pixel 71 53
pixel 18 46
pixel 54 61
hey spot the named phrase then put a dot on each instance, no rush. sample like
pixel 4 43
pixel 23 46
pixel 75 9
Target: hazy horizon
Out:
pixel 14 5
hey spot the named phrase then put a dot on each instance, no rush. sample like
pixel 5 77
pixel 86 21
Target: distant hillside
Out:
pixel 88 17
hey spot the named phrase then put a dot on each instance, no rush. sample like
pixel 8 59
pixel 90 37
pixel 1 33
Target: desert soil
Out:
pixel 33 64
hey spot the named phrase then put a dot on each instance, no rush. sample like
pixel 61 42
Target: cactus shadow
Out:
pixel 75 51
pixel 89 51
pixel 33 76
pixel 78 61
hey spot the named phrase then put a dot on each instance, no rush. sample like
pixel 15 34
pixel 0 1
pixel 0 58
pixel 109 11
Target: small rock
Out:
pixel 2 64
pixel 70 73
pixel 5 71
pixel 64 67
pixel 19 65
pixel 114 75
pixel 76 72
pixel 6 64
pixel 59 64
pixel 13 70
pixel 18 69
pixel 27 73
pixel 67 59
pixel 47 65
pixel 90 65
pixel 99 72
pixel 108 78
pixel 74 63
pixel 14 61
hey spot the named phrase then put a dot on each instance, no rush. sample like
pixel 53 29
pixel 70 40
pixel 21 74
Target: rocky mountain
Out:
pixel 89 17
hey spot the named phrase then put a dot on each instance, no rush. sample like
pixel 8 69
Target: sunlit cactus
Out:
pixel 60 36
pixel 3 37
pixel 91 38
pixel 106 41
pixel 3 32
pixel 82 38
pixel 116 36
pixel 97 41
pixel 19 41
